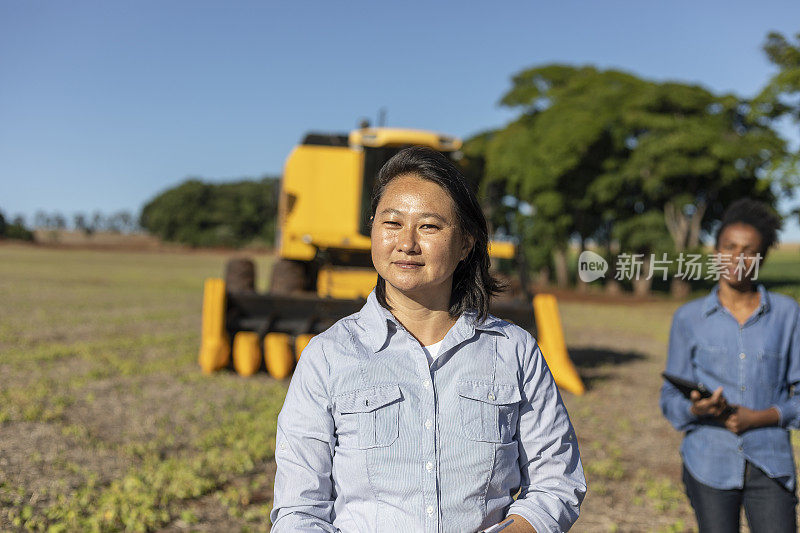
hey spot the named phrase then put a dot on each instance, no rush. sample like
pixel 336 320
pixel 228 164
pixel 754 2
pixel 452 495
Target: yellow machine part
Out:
pixel 278 355
pixel 403 136
pixel 345 283
pixel 352 282
pixel 246 353
pixel 502 249
pixel 321 190
pixel 320 201
pixel 552 344
pixel 214 346
pixel 301 342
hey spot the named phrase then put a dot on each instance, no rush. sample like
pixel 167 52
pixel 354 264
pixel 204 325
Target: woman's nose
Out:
pixel 407 242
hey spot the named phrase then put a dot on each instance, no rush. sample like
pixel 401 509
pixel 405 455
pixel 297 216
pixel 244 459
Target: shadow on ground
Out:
pixel 594 365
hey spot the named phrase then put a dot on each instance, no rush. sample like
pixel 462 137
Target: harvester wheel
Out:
pixel 240 275
pixel 287 277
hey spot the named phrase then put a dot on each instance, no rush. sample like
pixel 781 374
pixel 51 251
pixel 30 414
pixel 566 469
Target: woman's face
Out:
pixel 416 242
pixel 739 245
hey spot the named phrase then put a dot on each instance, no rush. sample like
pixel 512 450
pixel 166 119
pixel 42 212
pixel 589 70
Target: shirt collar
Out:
pixel 711 302
pixel 379 321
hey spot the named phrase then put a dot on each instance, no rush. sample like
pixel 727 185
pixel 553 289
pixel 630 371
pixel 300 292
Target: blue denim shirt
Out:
pixel 757 365
pixel 370 438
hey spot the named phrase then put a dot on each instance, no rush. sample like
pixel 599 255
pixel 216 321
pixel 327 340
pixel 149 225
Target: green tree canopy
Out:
pixel 15 229
pixel 206 214
pixel 593 149
pixel 781 98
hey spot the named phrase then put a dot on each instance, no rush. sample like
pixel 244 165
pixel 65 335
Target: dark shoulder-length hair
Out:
pixel 473 285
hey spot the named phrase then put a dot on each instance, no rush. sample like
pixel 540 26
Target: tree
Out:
pixel 695 153
pixel 14 230
pixel 570 134
pixel 600 154
pixel 41 220
pixel 126 220
pixel 204 214
pixel 118 222
pixel 58 221
pixel 80 224
pixel 781 98
pixel 98 222
pixel 499 215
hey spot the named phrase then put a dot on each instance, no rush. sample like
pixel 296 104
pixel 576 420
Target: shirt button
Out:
pixel 426 383
pixel 743 388
pixel 742 355
pixel 429 509
pixel 491 396
pixel 428 423
pixel 741 449
pixel 429 466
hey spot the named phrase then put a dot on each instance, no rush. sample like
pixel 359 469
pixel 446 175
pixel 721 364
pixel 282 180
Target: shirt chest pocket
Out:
pixel 769 367
pixel 368 418
pixel 489 412
pixel 714 361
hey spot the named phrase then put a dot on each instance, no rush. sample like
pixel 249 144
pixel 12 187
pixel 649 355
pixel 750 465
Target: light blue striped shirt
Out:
pixel 372 439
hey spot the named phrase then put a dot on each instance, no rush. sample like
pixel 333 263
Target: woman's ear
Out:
pixel 467 244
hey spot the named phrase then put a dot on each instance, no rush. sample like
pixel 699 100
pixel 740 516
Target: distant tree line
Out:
pixel 14 229
pixel 630 164
pixel 198 213
pixel 118 222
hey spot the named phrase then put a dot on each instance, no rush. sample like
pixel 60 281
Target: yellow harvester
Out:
pixel 324 271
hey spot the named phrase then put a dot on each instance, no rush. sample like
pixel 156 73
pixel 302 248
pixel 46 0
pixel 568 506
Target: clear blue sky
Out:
pixel 103 104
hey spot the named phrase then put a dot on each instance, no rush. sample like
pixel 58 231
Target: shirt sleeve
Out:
pixel 674 405
pixel 789 410
pixel 552 482
pixel 303 499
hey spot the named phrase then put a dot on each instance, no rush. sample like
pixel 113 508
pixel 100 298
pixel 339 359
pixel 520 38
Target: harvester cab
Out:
pixel 323 270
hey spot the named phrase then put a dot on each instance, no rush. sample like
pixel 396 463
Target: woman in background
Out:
pixel 743 342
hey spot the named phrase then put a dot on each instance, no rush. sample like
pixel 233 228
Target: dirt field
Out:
pixel 106 422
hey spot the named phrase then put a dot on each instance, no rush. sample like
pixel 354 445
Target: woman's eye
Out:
pixel 391 223
pixel 430 226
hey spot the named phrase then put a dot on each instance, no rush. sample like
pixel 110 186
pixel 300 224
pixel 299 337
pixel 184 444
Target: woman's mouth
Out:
pixel 408 265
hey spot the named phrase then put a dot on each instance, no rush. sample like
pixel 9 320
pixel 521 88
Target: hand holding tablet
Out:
pixel 686 387
pixel 704 401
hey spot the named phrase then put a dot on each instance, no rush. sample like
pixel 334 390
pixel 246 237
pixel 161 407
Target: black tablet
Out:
pixel 686 386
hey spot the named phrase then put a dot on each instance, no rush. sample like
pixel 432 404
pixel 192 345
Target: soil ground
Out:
pixel 107 423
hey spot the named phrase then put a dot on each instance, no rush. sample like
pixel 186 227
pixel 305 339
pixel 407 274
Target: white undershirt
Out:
pixel 432 351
